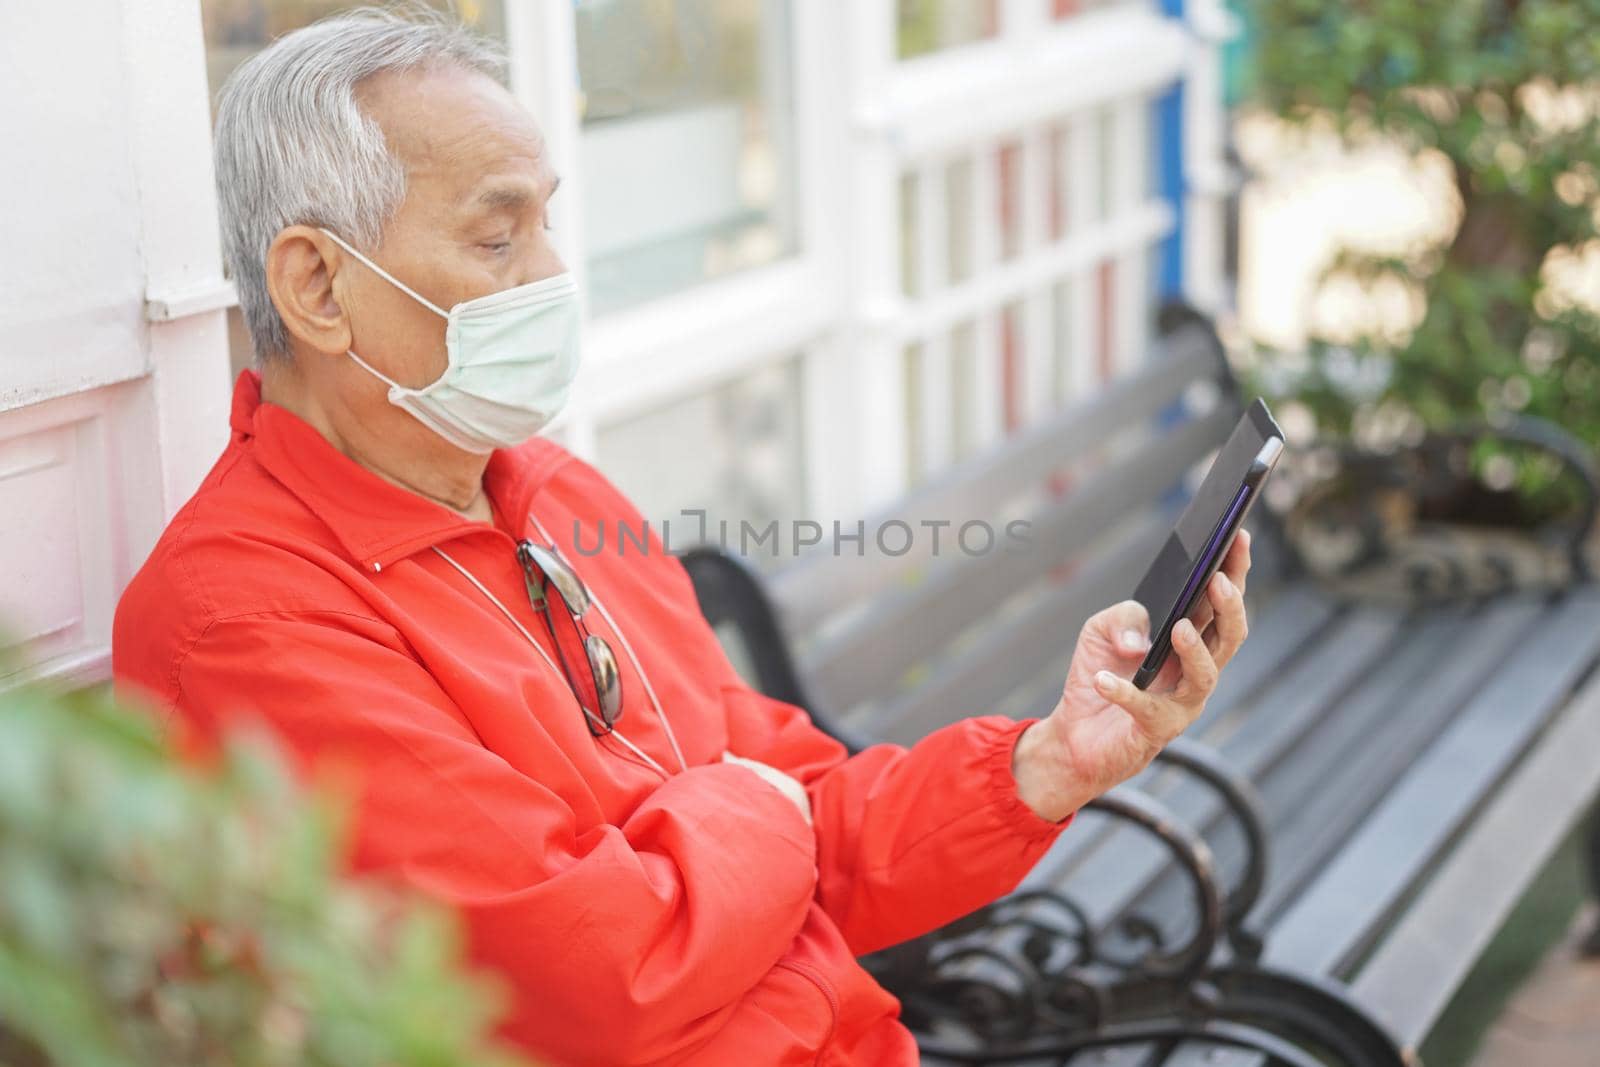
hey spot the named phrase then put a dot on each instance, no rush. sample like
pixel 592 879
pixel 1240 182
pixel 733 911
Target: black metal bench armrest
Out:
pixel 1272 1050
pixel 1239 796
pixel 731 592
pixel 1193 857
pixel 1031 964
pixel 1576 456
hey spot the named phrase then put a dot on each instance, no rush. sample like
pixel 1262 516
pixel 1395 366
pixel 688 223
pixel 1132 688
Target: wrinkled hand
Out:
pixel 783 783
pixel 1104 731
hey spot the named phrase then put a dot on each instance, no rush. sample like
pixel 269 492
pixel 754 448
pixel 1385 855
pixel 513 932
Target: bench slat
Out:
pixel 1106 878
pixel 867 658
pixel 1144 884
pixel 1423 960
pixel 1143 1054
pixel 1358 641
pixel 980 676
pixel 820 583
pixel 1281 624
pixel 1280 628
pixel 1342 770
pixel 1418 818
pixel 1357 637
pixel 1206 1054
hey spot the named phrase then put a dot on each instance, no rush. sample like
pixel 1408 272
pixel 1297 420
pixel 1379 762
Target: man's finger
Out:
pixel 1236 564
pixel 1152 713
pixel 1132 643
pixel 1126 625
pixel 1199 668
pixel 1230 625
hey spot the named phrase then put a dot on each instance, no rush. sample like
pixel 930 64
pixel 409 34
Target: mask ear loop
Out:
pixel 390 278
pixel 398 284
pixel 378 374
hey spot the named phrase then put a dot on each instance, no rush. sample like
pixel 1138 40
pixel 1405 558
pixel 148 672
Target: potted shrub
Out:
pixel 157 912
pixel 1499 380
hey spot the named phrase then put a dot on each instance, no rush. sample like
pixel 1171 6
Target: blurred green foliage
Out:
pixel 152 912
pixel 1507 93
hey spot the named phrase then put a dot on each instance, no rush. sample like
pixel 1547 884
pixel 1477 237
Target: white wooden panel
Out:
pixel 1083 169
pixel 826 88
pixel 1006 282
pixel 868 402
pixel 1082 334
pixel 1131 179
pixel 1038 334
pixel 1132 308
pixel 1020 19
pixel 41 580
pixel 943 103
pixel 169 431
pixel 80 480
pixel 935 378
pixel 169 110
pixel 638 358
pixel 986 381
pixel 71 275
pixel 1129 152
pixel 1206 178
pixel 107 421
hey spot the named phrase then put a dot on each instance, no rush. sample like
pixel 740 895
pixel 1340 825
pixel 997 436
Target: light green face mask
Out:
pixel 513 356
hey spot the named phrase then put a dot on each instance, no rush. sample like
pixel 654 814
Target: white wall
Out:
pixel 107 420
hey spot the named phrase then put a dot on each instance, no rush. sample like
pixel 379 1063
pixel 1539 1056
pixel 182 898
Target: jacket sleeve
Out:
pixel 907 839
pixel 617 938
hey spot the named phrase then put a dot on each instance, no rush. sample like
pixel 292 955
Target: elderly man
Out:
pixel 666 866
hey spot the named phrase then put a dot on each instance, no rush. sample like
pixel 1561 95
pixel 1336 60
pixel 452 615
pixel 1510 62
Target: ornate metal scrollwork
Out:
pixel 1032 963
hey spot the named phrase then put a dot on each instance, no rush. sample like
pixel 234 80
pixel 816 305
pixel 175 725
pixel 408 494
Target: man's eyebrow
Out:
pixel 511 197
pixel 504 197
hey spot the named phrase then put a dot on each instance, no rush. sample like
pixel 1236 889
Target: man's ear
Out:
pixel 303 266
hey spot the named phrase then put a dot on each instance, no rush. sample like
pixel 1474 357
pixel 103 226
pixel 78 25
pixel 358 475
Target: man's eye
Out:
pixel 496 247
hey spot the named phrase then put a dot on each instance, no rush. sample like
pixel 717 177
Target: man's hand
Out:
pixel 783 783
pixel 1104 731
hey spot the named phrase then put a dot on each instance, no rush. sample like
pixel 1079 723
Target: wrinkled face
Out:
pixel 473 221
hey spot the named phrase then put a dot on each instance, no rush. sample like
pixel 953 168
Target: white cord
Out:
pixel 635 749
pixel 666 725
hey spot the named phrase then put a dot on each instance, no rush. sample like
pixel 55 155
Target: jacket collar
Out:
pixel 376 521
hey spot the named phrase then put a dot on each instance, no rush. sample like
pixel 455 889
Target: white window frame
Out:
pixel 862 119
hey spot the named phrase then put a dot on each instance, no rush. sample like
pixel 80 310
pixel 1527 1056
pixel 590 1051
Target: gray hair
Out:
pixel 293 147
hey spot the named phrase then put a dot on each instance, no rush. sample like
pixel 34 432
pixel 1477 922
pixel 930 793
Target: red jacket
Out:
pixel 694 918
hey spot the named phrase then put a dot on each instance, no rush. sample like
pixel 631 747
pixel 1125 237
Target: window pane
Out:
pixel 687 147
pixel 733 450
pixel 925 26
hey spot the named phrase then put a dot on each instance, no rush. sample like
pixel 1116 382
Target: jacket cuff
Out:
pixel 1003 737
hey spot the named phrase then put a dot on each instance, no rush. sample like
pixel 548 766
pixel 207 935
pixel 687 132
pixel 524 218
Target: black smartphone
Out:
pixel 1176 580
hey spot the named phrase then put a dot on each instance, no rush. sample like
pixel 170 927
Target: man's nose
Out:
pixel 541 263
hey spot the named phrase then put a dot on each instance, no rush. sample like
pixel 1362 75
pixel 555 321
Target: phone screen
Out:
pixel 1176 579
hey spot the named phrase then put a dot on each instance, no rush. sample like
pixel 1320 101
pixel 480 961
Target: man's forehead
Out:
pixel 455 125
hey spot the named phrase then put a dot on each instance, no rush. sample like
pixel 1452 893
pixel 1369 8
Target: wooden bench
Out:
pixel 1307 876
